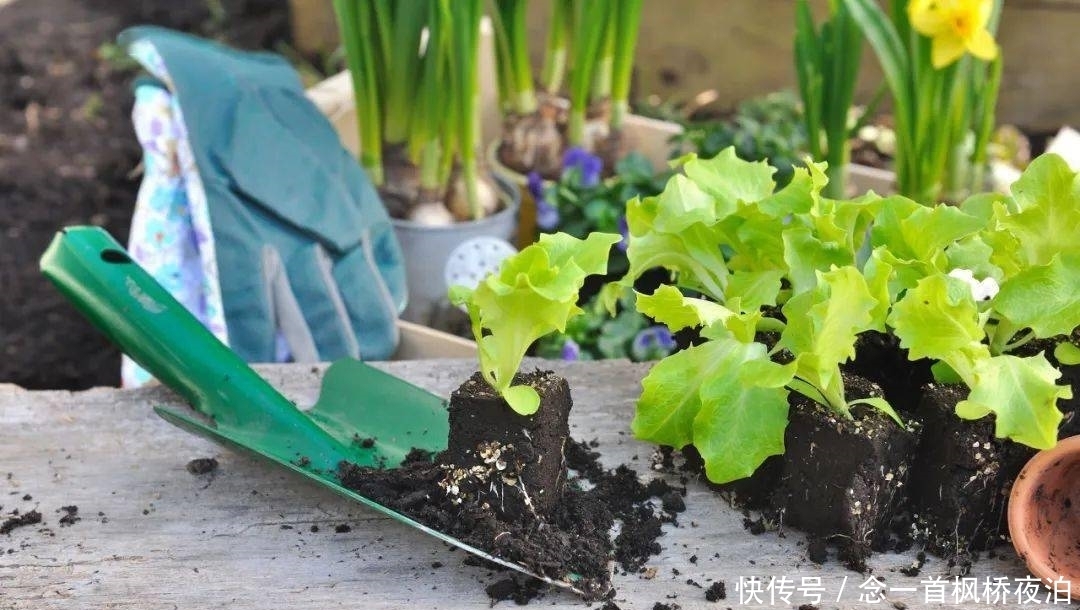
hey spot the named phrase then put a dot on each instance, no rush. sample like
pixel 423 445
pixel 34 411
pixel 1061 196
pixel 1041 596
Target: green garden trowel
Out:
pixel 241 409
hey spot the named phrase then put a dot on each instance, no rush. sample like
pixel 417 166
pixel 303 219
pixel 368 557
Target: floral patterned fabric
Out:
pixel 171 234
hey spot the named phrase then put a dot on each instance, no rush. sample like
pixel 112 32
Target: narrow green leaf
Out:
pixel 880 404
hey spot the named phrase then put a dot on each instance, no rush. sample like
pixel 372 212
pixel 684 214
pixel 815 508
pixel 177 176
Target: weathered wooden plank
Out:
pixel 168 539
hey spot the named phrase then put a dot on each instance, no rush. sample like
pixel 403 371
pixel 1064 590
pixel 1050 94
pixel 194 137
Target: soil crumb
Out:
pixel 716 592
pixel 521 590
pixel 202 465
pixel 31 518
pixel 573 539
pixel 71 515
pixel 916 566
pixel 342 528
pixel 755 526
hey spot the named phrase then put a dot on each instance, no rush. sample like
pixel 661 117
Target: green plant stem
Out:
pixel 591 23
pixel 515 69
pixel 985 117
pixel 465 20
pixel 605 60
pixel 870 112
pixel 357 23
pixel 403 65
pixel 558 41
pixel 431 128
pixel 1003 332
pixel 827 65
pixel 626 29
pixel 935 110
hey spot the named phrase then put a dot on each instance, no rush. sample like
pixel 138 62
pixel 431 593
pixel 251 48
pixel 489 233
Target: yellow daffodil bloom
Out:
pixel 955 27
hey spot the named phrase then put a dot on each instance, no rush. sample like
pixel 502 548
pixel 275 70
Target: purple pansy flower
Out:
pixel 587 164
pixel 547 215
pixel 535 185
pixel 652 343
pixel 571 350
pixel 624 230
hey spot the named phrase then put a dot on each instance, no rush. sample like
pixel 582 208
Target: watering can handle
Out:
pixel 121 299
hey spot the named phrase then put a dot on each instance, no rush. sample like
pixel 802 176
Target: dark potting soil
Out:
pixel 961 477
pixel 202 465
pixel 880 359
pixel 841 478
pixel 574 538
pixel 67 155
pixel 716 591
pixel 526 452
pixel 521 589
pixel 71 515
pixel 32 517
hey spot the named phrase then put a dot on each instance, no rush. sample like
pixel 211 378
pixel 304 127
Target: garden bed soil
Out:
pixel 841 479
pixel 573 536
pixel 961 477
pixel 68 155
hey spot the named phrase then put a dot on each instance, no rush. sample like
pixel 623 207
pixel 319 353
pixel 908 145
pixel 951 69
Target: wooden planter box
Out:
pixel 419 342
pixel 863 178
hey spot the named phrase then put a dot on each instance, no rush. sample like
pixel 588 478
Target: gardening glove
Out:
pixel 249 191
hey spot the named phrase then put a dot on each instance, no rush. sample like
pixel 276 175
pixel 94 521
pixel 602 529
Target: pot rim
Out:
pixel 1021 496
pixel 510 193
pixel 504 172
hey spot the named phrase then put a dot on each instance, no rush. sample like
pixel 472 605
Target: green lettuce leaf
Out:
pixel 730 180
pixel 1047 195
pixel 669 306
pixel 939 319
pixel 915 232
pixel 1044 298
pixel 534 293
pixel 693 253
pixel 1021 394
pixel 822 327
pixel 754 289
pixel 697 396
pixel 806 256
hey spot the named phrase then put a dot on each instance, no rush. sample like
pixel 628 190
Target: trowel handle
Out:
pixel 121 299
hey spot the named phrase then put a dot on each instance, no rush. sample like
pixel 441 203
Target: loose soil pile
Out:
pixel 574 539
pixel 67 156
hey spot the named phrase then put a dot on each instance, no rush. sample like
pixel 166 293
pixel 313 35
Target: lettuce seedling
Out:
pixel 1025 245
pixel 535 292
pixel 726 235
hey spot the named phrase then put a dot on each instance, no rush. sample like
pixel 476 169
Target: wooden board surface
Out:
pixel 154 536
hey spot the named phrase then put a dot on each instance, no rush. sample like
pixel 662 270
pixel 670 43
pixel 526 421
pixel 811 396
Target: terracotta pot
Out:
pixel 1044 514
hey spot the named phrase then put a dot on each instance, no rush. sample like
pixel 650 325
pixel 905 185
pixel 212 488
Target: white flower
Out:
pixel 981 290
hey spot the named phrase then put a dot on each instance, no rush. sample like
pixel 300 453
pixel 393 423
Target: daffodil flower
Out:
pixel 955 27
